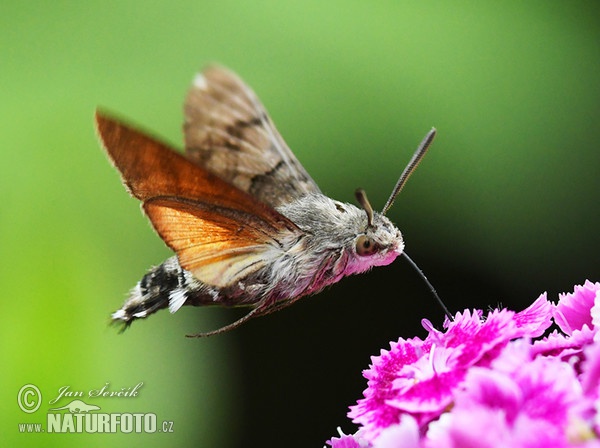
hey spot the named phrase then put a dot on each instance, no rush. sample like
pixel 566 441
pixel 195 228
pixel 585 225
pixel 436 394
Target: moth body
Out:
pixel 326 252
pixel 248 225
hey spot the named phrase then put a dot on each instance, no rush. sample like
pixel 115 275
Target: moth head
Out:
pixel 380 241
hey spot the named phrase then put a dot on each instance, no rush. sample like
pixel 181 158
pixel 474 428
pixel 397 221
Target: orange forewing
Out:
pixel 218 246
pixel 219 232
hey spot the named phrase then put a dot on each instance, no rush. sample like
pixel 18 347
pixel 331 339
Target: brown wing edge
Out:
pixel 150 169
pixel 156 174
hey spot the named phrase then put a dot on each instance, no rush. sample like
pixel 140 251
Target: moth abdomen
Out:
pixel 165 286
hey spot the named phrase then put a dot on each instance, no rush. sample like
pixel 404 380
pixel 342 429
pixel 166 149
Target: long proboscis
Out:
pixel 429 285
pixel 410 168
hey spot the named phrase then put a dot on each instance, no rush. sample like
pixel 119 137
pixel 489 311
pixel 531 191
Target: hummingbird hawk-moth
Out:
pixel 248 225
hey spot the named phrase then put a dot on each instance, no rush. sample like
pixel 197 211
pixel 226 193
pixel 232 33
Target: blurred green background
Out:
pixel 502 209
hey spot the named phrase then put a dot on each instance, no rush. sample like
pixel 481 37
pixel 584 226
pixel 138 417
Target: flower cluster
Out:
pixel 489 381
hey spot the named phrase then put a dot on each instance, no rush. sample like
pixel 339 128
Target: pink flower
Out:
pixel 490 429
pixel 404 434
pixel 373 412
pixel 534 320
pixel 574 310
pixel 418 377
pixel 577 315
pixel 348 441
pixel 485 381
pixel 590 376
pixel 568 348
pixel 520 402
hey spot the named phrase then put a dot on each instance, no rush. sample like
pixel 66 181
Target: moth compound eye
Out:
pixel 365 246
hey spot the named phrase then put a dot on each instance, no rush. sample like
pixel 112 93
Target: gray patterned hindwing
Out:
pixel 228 131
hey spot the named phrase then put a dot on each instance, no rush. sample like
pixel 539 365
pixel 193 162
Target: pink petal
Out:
pixel 573 310
pixel 535 319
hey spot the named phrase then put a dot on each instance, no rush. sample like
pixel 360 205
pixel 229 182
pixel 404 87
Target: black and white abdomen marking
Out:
pixel 166 285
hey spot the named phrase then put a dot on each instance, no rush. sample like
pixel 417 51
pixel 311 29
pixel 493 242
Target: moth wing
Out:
pixel 218 246
pixel 219 232
pixel 229 132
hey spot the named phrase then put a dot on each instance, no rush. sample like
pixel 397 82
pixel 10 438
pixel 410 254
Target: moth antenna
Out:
pixel 361 197
pixel 410 168
pixel 431 288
